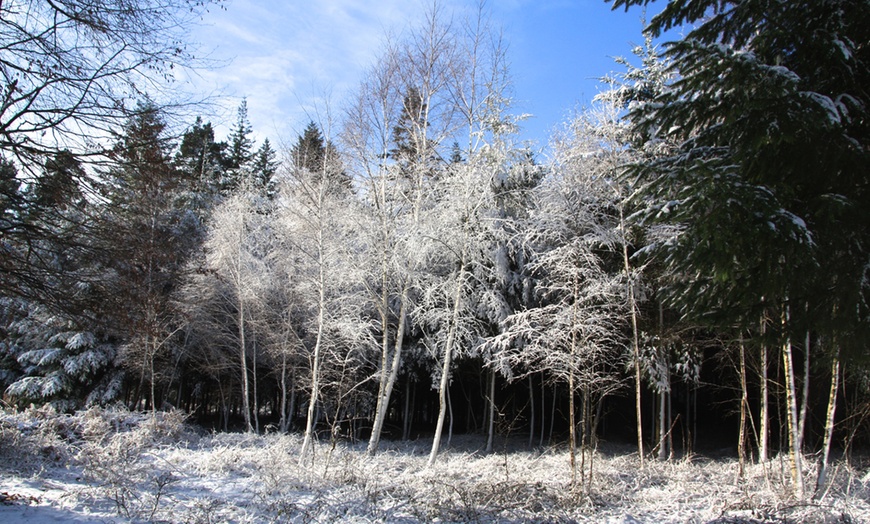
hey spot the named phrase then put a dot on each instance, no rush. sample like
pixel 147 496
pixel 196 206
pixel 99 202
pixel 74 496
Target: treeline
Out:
pixel 691 256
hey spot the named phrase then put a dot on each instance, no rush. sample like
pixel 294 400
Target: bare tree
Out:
pixel 71 68
pixel 232 285
pixel 574 332
pixel 400 118
pixel 313 220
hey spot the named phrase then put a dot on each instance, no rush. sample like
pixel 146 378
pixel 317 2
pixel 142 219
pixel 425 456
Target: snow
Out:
pixel 826 104
pixel 111 466
pixel 847 52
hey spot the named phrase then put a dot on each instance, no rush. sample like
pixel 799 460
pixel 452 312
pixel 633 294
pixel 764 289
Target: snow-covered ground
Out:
pixel 115 466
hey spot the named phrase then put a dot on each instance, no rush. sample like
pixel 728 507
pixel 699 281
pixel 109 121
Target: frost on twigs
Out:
pixel 117 466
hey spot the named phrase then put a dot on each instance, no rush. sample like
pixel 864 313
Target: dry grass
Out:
pixel 141 468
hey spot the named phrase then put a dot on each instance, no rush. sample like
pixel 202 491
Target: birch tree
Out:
pixel 574 331
pixel 396 129
pixel 453 244
pixel 225 294
pixel 313 223
pixel 392 204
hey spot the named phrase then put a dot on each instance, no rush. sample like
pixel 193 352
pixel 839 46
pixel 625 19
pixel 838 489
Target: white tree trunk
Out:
pixel 805 394
pixel 744 402
pixel 765 408
pixel 638 383
pixel 243 362
pixel 255 402
pixel 445 367
pixel 822 478
pixel 388 378
pixel 284 423
pixel 491 415
pixel 792 415
pixel 315 366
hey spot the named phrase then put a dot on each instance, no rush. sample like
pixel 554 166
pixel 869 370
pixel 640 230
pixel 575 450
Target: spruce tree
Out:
pixel 200 155
pixel 314 155
pixel 410 146
pixel 768 184
pixel 264 166
pixel 240 140
pixel 147 237
pixel 770 112
pixel 239 154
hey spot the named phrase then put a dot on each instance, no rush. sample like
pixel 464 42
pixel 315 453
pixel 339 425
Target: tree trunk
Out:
pixel 283 424
pixel 829 420
pixel 532 411
pixel 255 398
pixel 744 401
pixel 388 380
pixel 243 363
pixel 805 394
pixel 663 426
pixel 764 414
pixel 406 418
pixel 792 415
pixel 543 409
pixel 552 414
pixel 638 383
pixel 380 409
pixel 572 423
pixel 450 415
pixel 664 389
pixel 315 367
pixel 291 412
pixel 491 415
pixel 151 351
pixel 572 430
pixel 445 367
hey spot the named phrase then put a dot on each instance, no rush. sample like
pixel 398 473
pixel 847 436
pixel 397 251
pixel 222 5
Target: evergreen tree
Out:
pixel 768 184
pixel 200 155
pixel 56 345
pixel 240 141
pixel 57 359
pixel 204 165
pixel 309 151
pixel 411 147
pixel 43 221
pixel 57 186
pixel 148 235
pixel 239 153
pixel 315 155
pixel 264 166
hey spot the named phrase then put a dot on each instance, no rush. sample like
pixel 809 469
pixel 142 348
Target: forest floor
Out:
pixel 115 466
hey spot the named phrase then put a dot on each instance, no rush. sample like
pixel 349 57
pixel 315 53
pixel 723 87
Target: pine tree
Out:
pixel 410 145
pixel 200 155
pixel 44 228
pixel 9 192
pixel 58 359
pixel 240 141
pixel 309 151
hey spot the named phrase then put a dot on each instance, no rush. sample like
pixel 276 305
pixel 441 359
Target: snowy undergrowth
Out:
pixel 116 466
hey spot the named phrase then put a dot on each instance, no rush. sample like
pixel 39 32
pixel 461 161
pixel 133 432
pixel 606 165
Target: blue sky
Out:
pixel 295 61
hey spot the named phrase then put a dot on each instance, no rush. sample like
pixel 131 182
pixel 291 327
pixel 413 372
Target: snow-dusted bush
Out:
pixel 32 438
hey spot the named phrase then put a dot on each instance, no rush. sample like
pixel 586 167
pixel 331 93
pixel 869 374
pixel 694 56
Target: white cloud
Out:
pixel 288 58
